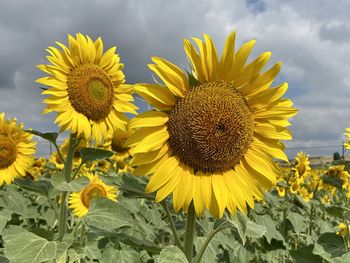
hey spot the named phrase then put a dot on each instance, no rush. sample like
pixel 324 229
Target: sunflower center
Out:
pixel 90 91
pixel 8 152
pixel 211 128
pixel 92 191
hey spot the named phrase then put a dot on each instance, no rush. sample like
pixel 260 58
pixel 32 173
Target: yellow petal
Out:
pixel 163 174
pixel 149 119
pixel 158 96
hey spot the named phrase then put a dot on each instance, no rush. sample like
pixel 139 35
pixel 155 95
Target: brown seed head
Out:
pixel 90 91
pixel 211 128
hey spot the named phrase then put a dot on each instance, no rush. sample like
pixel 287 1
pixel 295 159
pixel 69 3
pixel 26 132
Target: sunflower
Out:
pixel 115 141
pixel 16 150
pixel 302 166
pixel 342 230
pixel 56 160
pixel 214 132
pixel 80 201
pixel 347 135
pixel 86 88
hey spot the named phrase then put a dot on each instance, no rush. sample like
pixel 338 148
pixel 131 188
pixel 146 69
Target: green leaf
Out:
pixel 239 221
pixel 49 136
pixel 297 221
pixel 304 255
pixel 334 181
pixel 108 215
pixel 40 187
pixel 335 211
pixel 59 182
pixel 138 243
pixel 172 254
pixel 134 187
pixel 25 247
pixel 15 201
pixel 254 230
pixel 111 255
pixel 92 154
pixel 332 244
pixel 62 246
pixel 91 250
pixel 270 225
pixel 210 252
pixel 4 259
pixel 5 215
pixel 246 227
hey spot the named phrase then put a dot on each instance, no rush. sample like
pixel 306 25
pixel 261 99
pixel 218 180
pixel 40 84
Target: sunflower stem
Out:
pixel 190 231
pixel 172 224
pixel 67 172
pixel 209 238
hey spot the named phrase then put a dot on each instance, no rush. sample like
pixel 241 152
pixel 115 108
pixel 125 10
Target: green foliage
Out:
pixel 49 136
pixel 136 229
pixel 107 215
pixel 59 182
pixel 93 154
pixel 172 254
pixel 25 247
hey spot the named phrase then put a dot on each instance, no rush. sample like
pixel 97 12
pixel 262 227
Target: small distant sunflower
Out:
pixel 343 230
pixel 86 88
pixel 56 160
pixel 347 135
pixel 80 202
pixel 115 142
pixel 302 166
pixel 213 134
pixel 16 150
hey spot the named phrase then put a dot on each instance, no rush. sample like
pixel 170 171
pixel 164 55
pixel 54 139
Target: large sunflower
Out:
pixel 80 201
pixel 86 88
pixel 213 134
pixel 16 150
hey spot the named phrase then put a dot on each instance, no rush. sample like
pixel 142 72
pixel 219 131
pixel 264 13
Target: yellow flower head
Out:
pixel 343 230
pixel 338 171
pixel 305 194
pixel 212 136
pixel 80 202
pixel 115 141
pixel 16 150
pixel 86 88
pixel 281 191
pixel 56 160
pixel 302 166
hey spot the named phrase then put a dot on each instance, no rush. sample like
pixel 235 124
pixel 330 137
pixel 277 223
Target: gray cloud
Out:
pixel 310 37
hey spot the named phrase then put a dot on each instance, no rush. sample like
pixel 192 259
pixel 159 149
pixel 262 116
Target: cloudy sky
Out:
pixel 311 38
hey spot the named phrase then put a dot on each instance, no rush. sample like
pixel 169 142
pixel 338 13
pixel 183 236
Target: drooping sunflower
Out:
pixel 213 134
pixel 347 135
pixel 302 166
pixel 80 201
pixel 56 160
pixel 115 142
pixel 16 150
pixel 86 88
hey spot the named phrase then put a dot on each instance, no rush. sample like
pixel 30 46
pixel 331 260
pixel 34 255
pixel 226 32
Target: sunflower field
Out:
pixel 201 175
